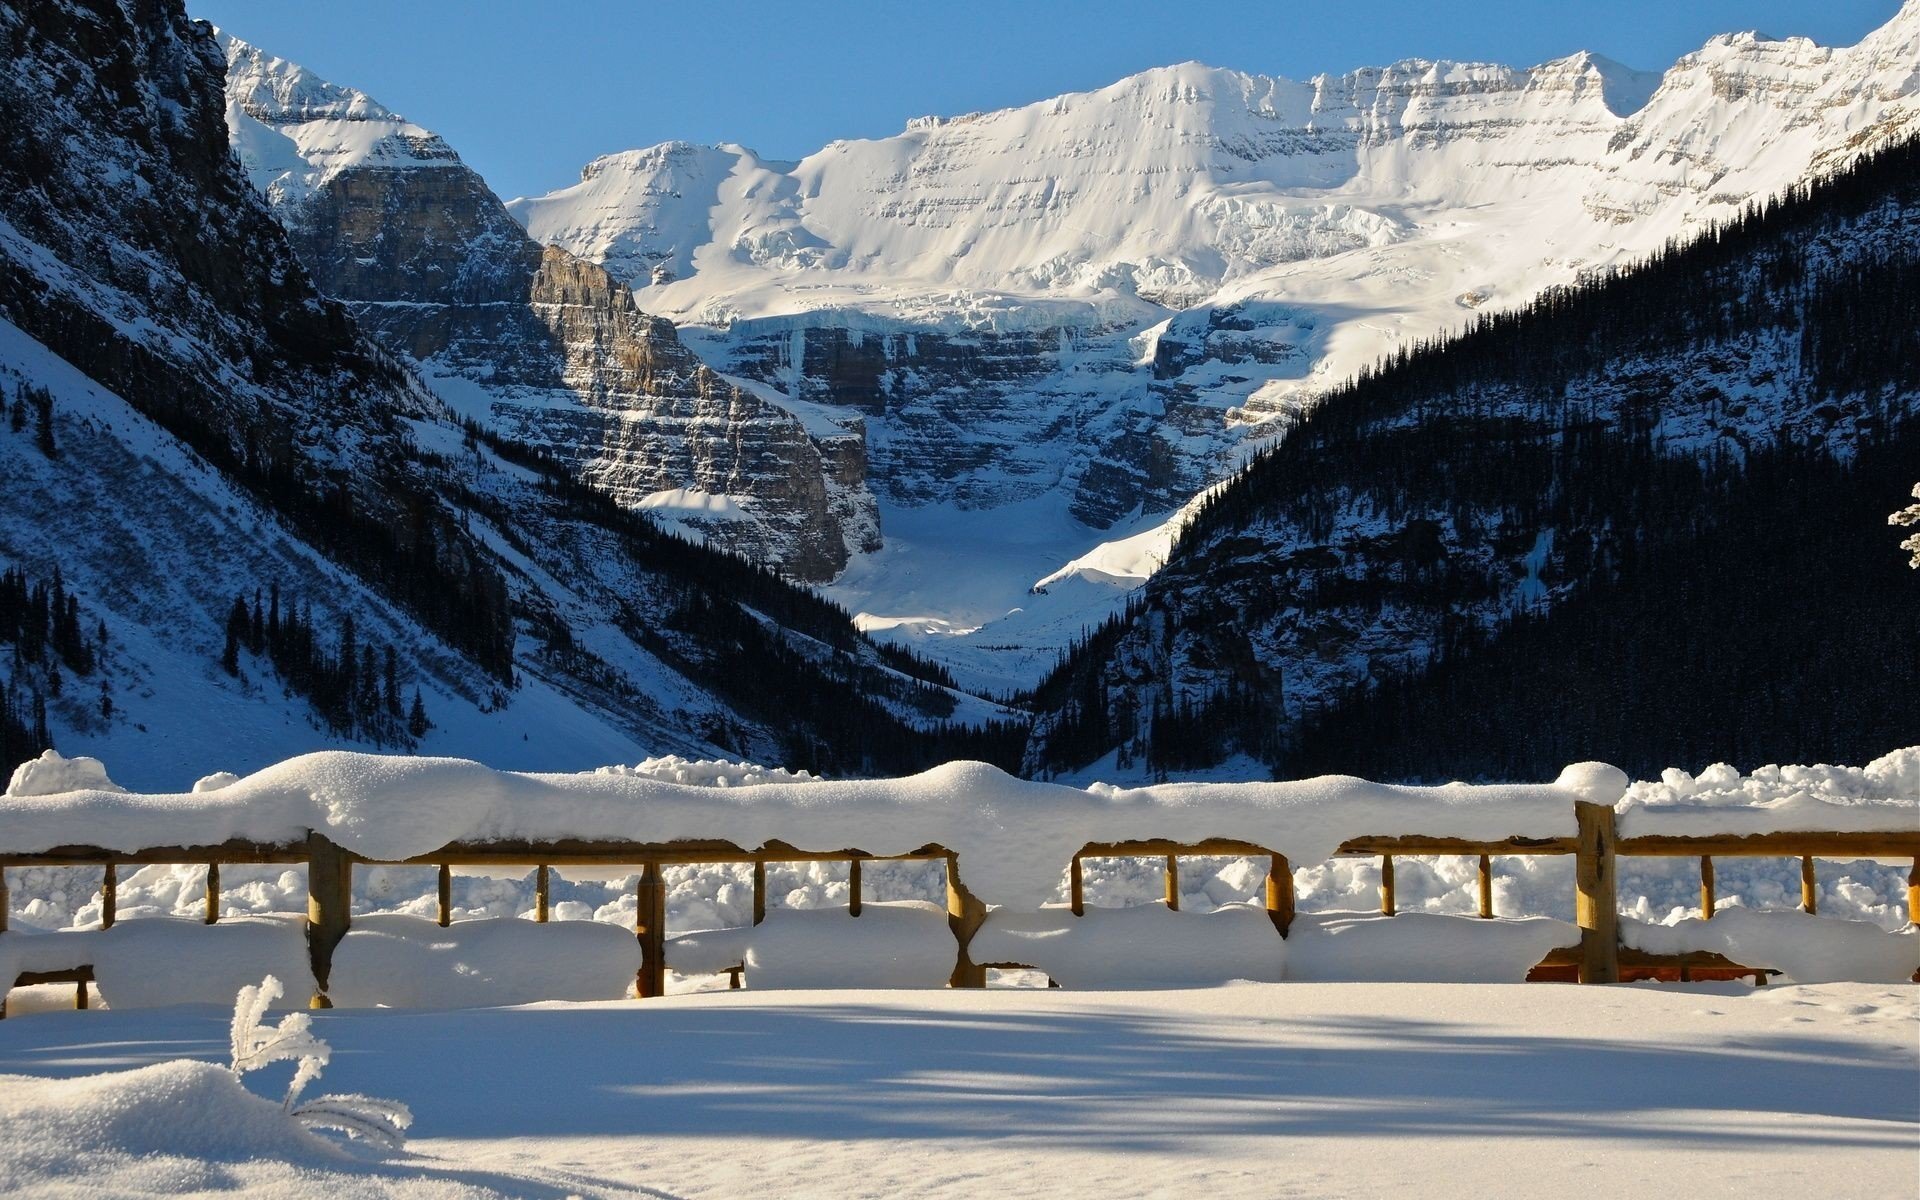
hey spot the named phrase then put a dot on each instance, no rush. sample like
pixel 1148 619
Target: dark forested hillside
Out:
pixel 1641 519
pixel 206 427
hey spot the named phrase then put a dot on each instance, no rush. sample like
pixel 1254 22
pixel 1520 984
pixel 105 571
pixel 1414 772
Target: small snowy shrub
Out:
pixel 256 1044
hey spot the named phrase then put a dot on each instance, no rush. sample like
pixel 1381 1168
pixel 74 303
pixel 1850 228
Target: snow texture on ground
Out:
pixel 1309 1090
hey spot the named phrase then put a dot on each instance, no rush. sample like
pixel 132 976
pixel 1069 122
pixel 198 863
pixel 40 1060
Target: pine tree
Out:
pixel 417 723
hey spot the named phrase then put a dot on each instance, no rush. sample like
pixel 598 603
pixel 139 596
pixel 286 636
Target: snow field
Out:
pixel 1313 1090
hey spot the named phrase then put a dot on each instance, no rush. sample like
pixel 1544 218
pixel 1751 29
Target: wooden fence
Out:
pixel 1598 957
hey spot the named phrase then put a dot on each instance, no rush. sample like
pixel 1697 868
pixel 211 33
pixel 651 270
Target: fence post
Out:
pixel 1809 886
pixel 1486 887
pixel 965 915
pixel 1706 887
pixel 650 926
pixel 329 908
pixel 1596 905
pixel 109 897
pixel 1280 893
pixel 853 887
pixel 1173 883
pixel 542 892
pixel 1913 897
pixel 1389 903
pixel 213 892
pixel 1077 888
pixel 759 890
pixel 443 896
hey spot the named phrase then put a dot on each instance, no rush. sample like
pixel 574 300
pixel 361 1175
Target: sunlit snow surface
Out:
pixel 1322 1090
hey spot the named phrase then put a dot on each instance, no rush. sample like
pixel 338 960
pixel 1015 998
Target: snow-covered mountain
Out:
pixel 538 344
pixel 254 531
pixel 1077 314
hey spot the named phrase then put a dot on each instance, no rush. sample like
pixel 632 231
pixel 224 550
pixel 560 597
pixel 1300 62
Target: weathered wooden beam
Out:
pixel 1389 900
pixel 650 926
pixel 443 895
pixel 853 887
pixel 1775 845
pixel 1077 887
pixel 542 892
pixel 1706 887
pixel 1596 904
pixel 1373 847
pixel 1486 887
pixel 236 850
pixel 6 901
pixel 759 890
pixel 965 914
pixel 109 896
pixel 1159 847
pixel 213 892
pixel 1809 886
pixel 1173 882
pixel 1280 896
pixel 329 909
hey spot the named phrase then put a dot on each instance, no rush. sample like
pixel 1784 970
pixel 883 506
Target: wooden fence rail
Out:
pixel 1597 958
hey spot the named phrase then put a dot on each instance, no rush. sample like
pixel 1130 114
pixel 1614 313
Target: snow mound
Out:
pixel 155 962
pixel 163 1129
pixel 1148 945
pixel 53 773
pixel 1808 949
pixel 1420 947
pixel 903 945
pixel 405 962
pixel 1883 795
pixel 708 772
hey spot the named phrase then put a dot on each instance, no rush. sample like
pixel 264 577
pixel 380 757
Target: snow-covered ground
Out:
pixel 1248 1089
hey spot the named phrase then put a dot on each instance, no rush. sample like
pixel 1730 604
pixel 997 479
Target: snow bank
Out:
pixel 160 1130
pixel 406 962
pixel 1013 836
pixel 160 961
pixel 1420 947
pixel 903 945
pixel 52 774
pixel 1146 946
pixel 709 951
pixel 1808 949
pixel 1882 796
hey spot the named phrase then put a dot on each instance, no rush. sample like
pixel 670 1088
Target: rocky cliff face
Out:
pixel 536 343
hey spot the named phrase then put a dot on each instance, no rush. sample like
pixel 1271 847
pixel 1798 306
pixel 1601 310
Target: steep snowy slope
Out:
pixel 1093 304
pixel 543 347
pixel 192 424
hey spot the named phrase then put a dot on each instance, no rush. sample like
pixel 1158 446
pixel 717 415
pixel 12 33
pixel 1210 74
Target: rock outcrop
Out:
pixel 533 342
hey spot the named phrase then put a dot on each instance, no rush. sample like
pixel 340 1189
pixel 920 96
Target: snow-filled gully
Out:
pixel 1005 842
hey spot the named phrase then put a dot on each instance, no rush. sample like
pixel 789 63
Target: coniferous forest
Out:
pixel 1694 458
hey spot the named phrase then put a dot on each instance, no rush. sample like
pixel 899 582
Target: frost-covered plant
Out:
pixel 256 1044
pixel 1910 515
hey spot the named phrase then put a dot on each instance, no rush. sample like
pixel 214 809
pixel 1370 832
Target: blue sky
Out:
pixel 528 92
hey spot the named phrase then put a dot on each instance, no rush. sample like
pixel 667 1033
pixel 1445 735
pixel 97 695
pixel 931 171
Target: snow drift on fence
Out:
pixel 1420 947
pixel 1148 945
pixel 1805 948
pixel 406 962
pixel 902 945
pixel 1011 835
pixel 159 961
